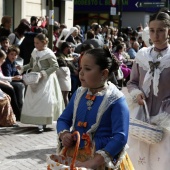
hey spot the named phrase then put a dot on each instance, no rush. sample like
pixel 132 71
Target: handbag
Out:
pixel 145 131
pixel 119 74
pixel 31 78
pixel 63 162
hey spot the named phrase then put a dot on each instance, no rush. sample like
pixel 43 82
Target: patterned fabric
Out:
pixel 7 117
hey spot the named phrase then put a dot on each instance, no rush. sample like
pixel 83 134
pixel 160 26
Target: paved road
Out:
pixel 23 148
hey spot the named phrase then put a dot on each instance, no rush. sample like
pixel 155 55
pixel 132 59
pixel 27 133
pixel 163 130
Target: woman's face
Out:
pixel 39 45
pixel 158 33
pixel 90 74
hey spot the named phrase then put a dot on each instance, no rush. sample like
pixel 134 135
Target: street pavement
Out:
pixel 23 148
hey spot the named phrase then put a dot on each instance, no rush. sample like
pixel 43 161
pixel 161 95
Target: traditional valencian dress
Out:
pixel 43 101
pixel 105 120
pixel 151 75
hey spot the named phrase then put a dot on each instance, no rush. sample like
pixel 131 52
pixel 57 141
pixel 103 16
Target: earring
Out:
pixel 102 81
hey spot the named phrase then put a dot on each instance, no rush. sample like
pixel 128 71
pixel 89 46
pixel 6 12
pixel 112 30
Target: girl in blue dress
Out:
pixel 99 112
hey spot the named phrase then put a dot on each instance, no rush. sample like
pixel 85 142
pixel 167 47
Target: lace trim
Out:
pixel 134 93
pixel 108 160
pixel 142 59
pixel 111 94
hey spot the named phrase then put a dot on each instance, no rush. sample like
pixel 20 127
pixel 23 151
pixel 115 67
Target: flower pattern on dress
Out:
pixel 141 160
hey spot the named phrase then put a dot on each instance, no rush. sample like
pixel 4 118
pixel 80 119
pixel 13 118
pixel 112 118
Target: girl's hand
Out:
pixel 18 67
pixel 18 77
pixel 140 98
pixel 67 139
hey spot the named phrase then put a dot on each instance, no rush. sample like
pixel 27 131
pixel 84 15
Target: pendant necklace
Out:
pixel 159 51
pixel 91 98
pixel 90 101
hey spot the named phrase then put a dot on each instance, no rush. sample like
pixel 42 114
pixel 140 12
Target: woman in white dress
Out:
pixel 43 101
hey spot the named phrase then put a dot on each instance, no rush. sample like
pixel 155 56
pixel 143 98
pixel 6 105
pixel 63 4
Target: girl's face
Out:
pixel 90 74
pixel 158 33
pixel 12 56
pixel 39 45
pixel 2 60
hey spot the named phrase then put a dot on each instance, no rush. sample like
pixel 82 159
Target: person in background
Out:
pixel 70 37
pixel 4 42
pixel 5 28
pixel 149 81
pixel 133 49
pixel 16 38
pixel 9 70
pixel 126 71
pixel 55 37
pixel 7 88
pixel 64 78
pixel 43 101
pixel 99 112
pixel 65 54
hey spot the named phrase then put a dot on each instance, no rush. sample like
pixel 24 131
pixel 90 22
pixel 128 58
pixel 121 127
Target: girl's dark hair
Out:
pixel 162 15
pixel 104 59
pixel 119 47
pixel 2 54
pixel 22 27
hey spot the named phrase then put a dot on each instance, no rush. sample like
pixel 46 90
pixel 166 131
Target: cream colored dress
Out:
pixel 43 101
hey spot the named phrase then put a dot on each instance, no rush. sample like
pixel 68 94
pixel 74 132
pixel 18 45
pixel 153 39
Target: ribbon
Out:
pixel 82 124
pixel 153 66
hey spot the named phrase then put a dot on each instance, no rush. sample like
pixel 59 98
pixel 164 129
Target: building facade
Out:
pixel 19 9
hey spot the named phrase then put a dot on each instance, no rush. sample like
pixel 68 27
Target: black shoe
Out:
pixel 15 125
pixel 40 129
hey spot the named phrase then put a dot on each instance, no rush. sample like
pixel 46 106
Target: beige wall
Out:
pixel 67 9
pixel 1 9
pixel 28 8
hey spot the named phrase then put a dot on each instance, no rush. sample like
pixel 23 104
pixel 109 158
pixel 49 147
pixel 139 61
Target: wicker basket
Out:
pixel 31 78
pixel 144 131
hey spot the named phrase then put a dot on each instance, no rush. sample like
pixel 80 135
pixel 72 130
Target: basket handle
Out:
pixel 72 165
pixel 28 70
pixel 147 112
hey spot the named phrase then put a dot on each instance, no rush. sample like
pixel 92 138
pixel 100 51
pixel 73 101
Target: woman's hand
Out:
pixel 67 139
pixel 140 98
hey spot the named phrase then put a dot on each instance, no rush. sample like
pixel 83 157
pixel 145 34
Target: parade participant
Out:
pixel 7 88
pixel 43 101
pixel 149 81
pixel 97 110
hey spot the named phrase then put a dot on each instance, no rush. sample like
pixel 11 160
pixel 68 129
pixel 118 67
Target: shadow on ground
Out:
pixel 40 154
pixel 21 130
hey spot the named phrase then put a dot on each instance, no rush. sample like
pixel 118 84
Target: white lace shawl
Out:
pixel 142 58
pixel 111 94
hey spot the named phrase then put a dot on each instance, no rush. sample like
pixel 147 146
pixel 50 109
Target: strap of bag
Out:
pixel 147 112
pixel 72 165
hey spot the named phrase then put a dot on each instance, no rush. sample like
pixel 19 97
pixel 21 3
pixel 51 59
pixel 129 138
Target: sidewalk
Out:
pixel 23 148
